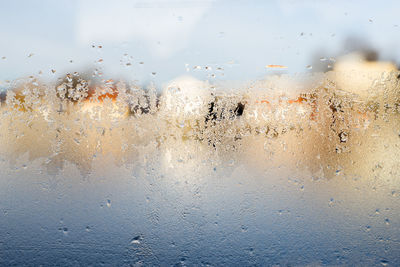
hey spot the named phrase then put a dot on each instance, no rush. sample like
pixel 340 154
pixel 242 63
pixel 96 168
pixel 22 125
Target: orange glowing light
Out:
pixel 276 66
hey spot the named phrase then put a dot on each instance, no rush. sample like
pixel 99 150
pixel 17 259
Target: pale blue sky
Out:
pixel 241 37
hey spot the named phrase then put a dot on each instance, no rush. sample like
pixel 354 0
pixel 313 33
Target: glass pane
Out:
pixel 199 133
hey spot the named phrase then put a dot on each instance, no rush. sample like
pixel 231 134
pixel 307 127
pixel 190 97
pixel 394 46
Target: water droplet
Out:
pixel 53 71
pixel 88 229
pixel 65 230
pixel 367 228
pixel 309 67
pixel 322 59
pixel 31 54
pixel 343 136
pixel 387 221
pixel 136 239
pixel 3 57
pixel 197 67
pixel 181 262
pixel 108 203
pixel 153 73
pixel 384 262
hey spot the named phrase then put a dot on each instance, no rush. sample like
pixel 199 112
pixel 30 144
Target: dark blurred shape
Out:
pixel 361 45
pixel 371 55
pixel 323 61
pixel 3 96
pixel 239 109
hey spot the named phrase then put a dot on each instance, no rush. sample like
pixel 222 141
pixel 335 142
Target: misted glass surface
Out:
pixel 199 133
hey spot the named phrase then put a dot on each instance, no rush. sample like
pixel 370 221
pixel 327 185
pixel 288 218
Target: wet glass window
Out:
pixel 199 133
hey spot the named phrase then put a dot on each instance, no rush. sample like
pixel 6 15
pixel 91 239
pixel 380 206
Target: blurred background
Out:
pixel 91 185
pixel 155 41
